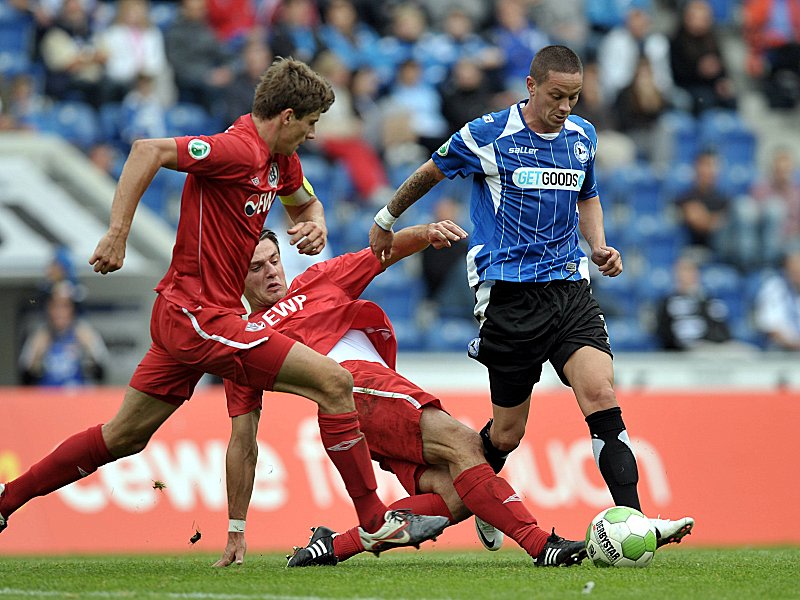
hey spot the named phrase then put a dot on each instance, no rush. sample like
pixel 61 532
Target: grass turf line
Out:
pixel 675 573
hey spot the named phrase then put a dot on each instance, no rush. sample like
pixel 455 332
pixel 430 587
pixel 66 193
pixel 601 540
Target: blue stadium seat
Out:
pixel 110 117
pixel 188 119
pixel 409 337
pixel 154 196
pixel 397 292
pixel 678 181
pixel 450 334
pixel 680 128
pixel 724 11
pixel 164 193
pixel 656 282
pixel 76 122
pixel 639 188
pixel 616 300
pixel 737 179
pixel 726 284
pixel 355 235
pixel 725 131
pixel 661 244
pixel 16 40
pixel 341 186
pixel 318 171
pixel 627 335
pixel 721 280
pixel 163 14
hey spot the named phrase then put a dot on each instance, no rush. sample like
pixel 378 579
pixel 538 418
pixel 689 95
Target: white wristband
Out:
pixel 384 219
pixel 236 525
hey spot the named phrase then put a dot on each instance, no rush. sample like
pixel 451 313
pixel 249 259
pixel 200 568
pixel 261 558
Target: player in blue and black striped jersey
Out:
pixel 533 189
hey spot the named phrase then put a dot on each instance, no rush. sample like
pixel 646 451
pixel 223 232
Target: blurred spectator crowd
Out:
pixel 711 242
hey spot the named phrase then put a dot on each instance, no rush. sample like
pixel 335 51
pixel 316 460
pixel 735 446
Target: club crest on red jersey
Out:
pixel 274 175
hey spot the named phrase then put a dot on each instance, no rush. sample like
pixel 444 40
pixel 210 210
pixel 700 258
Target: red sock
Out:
pixel 492 499
pixel 347 448
pixel 75 457
pixel 349 544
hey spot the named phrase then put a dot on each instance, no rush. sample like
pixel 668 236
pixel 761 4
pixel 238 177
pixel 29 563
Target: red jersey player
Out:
pixel 196 327
pixel 438 460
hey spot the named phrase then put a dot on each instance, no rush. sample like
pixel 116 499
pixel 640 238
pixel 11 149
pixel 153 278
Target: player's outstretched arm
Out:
pixel 412 189
pixel 411 240
pixel 590 221
pixel 240 474
pixel 144 161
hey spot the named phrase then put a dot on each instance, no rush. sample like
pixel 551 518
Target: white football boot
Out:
pixel 491 537
pixel 671 532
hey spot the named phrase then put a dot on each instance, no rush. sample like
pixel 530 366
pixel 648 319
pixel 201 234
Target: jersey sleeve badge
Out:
pixel 199 149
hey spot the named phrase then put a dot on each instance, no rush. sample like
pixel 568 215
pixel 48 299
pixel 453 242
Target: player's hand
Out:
pixel 380 241
pixel 309 237
pixel 444 233
pixel 608 261
pixel 109 254
pixel 234 550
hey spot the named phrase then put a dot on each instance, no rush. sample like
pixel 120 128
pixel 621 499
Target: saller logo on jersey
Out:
pixel 548 179
pixel 198 149
pixel 442 151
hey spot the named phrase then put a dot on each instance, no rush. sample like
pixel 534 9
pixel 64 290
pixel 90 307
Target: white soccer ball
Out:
pixel 620 537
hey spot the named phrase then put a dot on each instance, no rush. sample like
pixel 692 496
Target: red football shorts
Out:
pixel 187 344
pixel 389 410
pixel 241 399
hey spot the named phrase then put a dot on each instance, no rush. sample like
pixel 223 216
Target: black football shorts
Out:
pixel 527 324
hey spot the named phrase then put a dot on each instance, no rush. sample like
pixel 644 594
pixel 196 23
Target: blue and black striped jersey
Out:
pixel 525 194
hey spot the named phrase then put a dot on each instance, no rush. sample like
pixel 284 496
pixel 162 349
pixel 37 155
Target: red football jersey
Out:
pixel 322 305
pixel 233 181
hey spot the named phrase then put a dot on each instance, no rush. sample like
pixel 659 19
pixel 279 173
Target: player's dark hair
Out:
pixel 290 83
pixel 558 59
pixel 268 234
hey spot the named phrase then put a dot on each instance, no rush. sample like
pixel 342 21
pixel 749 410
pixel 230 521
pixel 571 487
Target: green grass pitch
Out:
pixel 740 573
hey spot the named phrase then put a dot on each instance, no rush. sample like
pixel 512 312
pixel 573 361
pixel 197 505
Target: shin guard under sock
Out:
pixel 348 450
pixel 614 456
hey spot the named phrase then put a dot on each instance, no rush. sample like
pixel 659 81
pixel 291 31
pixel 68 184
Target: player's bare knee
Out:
pixel 599 398
pixel 124 441
pixel 337 390
pixel 468 446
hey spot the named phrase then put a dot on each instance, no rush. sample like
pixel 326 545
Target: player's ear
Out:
pixel 531 84
pixel 287 115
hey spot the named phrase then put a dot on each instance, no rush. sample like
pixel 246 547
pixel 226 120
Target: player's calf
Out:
pixel 494 456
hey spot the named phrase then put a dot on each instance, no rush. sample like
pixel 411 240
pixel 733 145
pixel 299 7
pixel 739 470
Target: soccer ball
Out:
pixel 620 537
